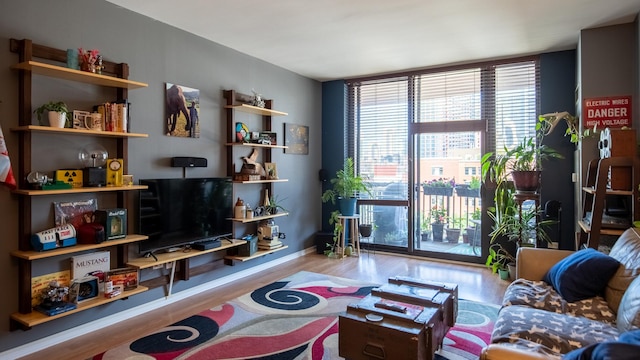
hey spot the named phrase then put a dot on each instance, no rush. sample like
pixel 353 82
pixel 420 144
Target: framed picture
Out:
pixel 182 111
pixel 268 138
pixel 296 138
pixel 270 170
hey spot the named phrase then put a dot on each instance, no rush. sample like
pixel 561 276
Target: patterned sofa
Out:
pixel 536 322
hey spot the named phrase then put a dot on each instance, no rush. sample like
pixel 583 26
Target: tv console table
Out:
pixel 175 256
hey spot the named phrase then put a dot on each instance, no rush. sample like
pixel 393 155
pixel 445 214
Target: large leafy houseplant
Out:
pixel 511 221
pixel 346 185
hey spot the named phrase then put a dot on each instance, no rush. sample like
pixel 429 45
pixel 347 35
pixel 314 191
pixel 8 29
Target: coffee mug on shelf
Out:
pixel 93 121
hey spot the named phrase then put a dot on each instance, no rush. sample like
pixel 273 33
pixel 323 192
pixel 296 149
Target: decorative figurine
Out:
pixel 257 99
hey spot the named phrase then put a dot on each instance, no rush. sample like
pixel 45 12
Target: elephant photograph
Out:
pixel 183 111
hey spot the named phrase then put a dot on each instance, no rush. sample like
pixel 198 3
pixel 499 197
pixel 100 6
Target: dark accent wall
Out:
pixel 333 139
pixel 156 53
pixel 558 83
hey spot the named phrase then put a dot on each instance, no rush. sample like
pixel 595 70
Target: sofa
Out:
pixel 536 321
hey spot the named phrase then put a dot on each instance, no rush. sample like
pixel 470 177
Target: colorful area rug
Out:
pixel 294 318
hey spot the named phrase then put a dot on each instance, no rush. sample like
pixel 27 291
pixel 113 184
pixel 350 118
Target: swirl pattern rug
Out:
pixel 291 319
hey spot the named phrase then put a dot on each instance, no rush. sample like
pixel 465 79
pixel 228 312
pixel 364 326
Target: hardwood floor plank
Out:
pixel 474 283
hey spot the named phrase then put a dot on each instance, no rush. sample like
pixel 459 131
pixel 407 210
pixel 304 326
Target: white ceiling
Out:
pixel 339 39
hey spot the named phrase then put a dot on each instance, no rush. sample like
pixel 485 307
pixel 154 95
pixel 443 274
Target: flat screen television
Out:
pixel 177 212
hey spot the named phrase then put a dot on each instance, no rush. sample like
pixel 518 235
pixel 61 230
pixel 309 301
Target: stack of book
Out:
pixel 115 116
pixel 269 244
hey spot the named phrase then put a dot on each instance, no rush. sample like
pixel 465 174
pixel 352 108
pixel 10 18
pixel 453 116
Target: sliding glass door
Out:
pixel 419 138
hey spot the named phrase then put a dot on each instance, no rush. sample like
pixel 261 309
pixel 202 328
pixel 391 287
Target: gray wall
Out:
pixel 156 53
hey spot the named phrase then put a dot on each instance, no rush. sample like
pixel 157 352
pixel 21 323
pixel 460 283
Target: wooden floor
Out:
pixel 474 283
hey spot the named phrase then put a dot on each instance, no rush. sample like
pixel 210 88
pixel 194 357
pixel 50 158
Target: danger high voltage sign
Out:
pixel 611 112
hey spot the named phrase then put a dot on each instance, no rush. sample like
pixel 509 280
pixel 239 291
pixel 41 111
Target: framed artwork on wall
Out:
pixel 182 111
pixel 271 171
pixel 296 137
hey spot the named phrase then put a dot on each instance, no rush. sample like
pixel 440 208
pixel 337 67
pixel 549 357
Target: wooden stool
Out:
pixel 353 231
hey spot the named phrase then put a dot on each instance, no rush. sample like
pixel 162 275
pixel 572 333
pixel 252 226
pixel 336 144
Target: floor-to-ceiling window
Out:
pixel 418 137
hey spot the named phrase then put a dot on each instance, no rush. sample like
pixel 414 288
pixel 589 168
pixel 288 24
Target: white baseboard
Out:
pixel 56 339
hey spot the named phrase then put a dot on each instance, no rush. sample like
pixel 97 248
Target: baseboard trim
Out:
pixel 58 338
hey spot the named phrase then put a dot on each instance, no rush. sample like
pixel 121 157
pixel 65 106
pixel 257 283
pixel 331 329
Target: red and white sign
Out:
pixel 611 112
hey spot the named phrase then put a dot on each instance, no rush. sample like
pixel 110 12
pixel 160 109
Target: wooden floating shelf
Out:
pixel 36 318
pixel 258 254
pixel 258 218
pixel 79 190
pixel 49 129
pixel 260 181
pixel 592 190
pixel 65 73
pixel 35 255
pixel 256 110
pixel 163 258
pixel 257 145
pixel 604 231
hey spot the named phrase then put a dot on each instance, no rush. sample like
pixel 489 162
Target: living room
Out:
pixel 158 54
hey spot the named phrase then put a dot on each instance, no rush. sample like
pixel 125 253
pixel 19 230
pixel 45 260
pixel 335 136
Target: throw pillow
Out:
pixel 629 309
pixel 581 275
pixel 626 348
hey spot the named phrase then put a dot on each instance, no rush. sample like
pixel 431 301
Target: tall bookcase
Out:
pixel 238 102
pixel 39 59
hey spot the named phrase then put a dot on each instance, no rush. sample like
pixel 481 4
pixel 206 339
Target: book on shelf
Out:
pixel 115 116
pixel 56 309
pixel 93 264
pixel 269 244
pixel 122 279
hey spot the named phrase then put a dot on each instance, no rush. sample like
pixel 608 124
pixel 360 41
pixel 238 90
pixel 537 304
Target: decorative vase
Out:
pixel 437 231
pixel 347 206
pixel 57 119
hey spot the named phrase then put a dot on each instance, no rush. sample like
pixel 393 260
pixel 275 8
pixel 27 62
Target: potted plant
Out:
pixel 425 227
pixel 453 231
pixel 275 205
pixel 58 114
pixel 548 122
pixel 472 228
pixel 498 260
pixel 469 190
pixel 438 218
pixel 365 230
pixel 440 186
pixel 346 186
pixel 525 163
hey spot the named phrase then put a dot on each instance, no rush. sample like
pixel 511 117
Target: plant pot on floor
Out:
pixel 453 235
pixel 425 235
pixel 437 231
pixel 504 274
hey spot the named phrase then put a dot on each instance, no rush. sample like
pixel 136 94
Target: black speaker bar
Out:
pixel 188 161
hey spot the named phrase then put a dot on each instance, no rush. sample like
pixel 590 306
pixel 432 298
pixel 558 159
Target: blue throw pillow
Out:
pixel 626 348
pixel 582 275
